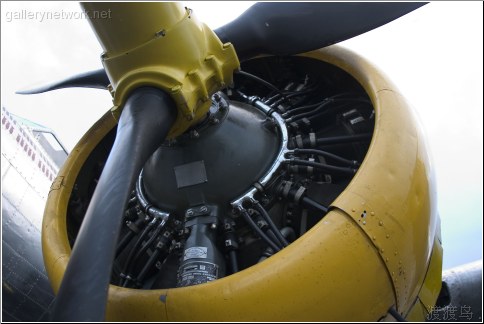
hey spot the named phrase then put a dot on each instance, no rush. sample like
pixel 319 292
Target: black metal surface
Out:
pixel 190 174
pixel 97 79
pixel 460 298
pixel 236 153
pixel 145 121
pixel 26 292
pixel 291 28
pixel 202 261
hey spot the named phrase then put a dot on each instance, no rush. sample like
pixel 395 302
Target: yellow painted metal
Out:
pixel 430 288
pixel 162 44
pixel 370 252
pixel 433 279
pixel 134 305
pixel 55 245
pixel 332 273
pixel 417 313
pixel 393 196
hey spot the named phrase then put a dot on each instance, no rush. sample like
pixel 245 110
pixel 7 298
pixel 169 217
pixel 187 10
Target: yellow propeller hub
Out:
pixel 162 45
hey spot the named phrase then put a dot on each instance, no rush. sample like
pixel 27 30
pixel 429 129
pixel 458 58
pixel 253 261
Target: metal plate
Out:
pixel 190 174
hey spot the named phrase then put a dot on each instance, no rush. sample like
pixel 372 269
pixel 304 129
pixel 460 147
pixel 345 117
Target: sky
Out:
pixel 434 55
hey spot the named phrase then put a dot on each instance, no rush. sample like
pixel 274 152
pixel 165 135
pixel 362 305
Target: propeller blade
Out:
pixel 97 79
pixel 276 28
pixel 147 117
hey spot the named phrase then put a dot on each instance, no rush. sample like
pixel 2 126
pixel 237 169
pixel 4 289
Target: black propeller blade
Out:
pixel 97 79
pixel 279 29
pixel 289 28
pixel 145 121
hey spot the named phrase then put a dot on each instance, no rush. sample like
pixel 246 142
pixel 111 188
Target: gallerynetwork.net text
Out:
pixel 41 16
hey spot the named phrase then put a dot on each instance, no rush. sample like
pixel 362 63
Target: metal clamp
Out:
pixel 283 150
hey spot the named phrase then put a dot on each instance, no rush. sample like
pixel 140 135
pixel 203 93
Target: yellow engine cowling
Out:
pixel 378 247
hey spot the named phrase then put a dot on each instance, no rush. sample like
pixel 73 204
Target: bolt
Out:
pixel 216 97
pixel 189 212
pixel 158 265
pixel 203 209
pixel 213 226
pixel 215 121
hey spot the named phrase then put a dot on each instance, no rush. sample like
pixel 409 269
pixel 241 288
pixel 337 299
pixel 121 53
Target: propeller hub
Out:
pixel 213 163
